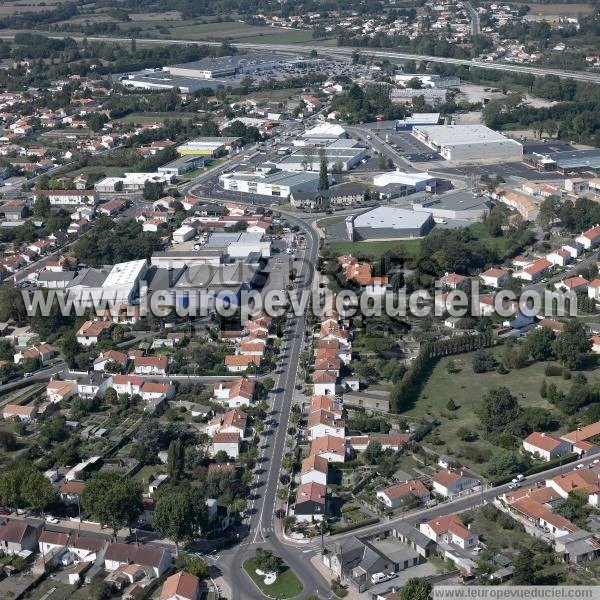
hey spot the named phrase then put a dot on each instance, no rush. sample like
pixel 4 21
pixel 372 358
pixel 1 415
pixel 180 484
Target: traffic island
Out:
pixel 272 576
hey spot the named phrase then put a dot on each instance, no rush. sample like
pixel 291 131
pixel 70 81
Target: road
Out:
pixel 348 51
pixel 261 526
pixel 475 29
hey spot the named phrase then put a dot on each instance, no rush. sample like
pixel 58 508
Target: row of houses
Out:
pixel 252 344
pixel 78 557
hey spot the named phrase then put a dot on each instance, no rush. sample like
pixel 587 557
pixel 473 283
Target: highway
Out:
pixel 347 51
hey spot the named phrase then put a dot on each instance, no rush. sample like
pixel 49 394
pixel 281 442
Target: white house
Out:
pixel 449 529
pixel 590 238
pixel 324 422
pixel 494 277
pixel 324 383
pixel 545 446
pixel 450 482
pixel 314 469
pixel 393 496
pixel 559 257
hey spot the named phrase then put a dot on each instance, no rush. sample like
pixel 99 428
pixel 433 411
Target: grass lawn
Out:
pixel 466 389
pixel 374 250
pixel 287 584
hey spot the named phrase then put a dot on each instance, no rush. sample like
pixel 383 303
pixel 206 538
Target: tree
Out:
pixel 179 516
pixel 498 409
pixel 8 440
pixel 191 564
pixel 41 207
pixel 416 589
pixel 175 459
pixel 539 343
pixel 323 178
pixel 524 569
pixel 484 361
pixel 372 453
pixel 572 346
pixel 112 500
pixel 266 561
pixel 37 491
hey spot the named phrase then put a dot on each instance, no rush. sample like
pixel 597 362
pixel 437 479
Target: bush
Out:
pixel 553 371
pixel 484 361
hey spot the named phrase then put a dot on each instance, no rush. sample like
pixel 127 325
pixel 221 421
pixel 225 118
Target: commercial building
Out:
pixel 240 245
pixel 158 79
pixel 226 66
pixel 131 182
pixel 408 123
pixel 323 133
pixel 274 183
pixel 457 205
pixel 388 223
pixel 339 157
pixel 428 81
pixel 415 182
pixel 468 143
pixel 572 161
pixel 208 146
pixel 407 95
pixel 182 165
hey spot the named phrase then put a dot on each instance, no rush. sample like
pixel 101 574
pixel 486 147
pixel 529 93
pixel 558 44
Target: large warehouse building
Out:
pixel 466 143
pixel 388 223
pixel 456 205
pixel 274 183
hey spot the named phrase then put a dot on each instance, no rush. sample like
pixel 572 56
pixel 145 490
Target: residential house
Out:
pixel 452 281
pixel 545 446
pixel 449 529
pixel 560 257
pixel 311 502
pixel 150 365
pixel 151 558
pixel 331 447
pixel 52 540
pixel 91 332
pixel 590 238
pixel 573 284
pixel 236 393
pixel 58 390
pixel 394 495
pixel 314 469
pixel 495 278
pixel 17 536
pixel 228 442
pixel 41 352
pixel 534 271
pixel 108 358
pixel 181 586
pixel 324 382
pixel 238 363
pixel 323 422
pixel 25 414
pixel 451 482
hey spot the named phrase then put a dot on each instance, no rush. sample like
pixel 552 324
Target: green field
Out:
pixel 287 584
pixel 139 118
pixel 467 389
pixel 374 250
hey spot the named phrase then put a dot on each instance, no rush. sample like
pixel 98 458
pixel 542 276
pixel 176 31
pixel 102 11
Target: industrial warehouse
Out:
pixel 469 143
pixel 388 223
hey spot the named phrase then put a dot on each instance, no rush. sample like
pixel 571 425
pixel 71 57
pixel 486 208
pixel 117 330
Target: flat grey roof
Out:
pixel 459 200
pixel 391 217
pixel 576 159
pixel 54 276
pixel 452 135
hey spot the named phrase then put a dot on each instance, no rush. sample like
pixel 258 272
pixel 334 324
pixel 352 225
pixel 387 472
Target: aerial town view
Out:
pixel 299 301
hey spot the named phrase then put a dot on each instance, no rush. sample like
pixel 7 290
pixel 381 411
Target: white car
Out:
pixel 53 520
